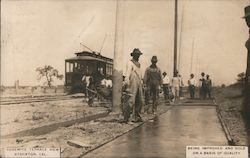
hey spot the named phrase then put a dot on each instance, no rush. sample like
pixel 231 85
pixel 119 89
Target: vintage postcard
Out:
pixel 125 78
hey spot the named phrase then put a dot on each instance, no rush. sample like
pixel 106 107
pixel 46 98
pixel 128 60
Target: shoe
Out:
pixel 140 120
pixel 123 121
pixel 131 123
pixel 137 121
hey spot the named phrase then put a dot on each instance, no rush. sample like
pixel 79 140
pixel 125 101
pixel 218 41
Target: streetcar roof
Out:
pixel 88 56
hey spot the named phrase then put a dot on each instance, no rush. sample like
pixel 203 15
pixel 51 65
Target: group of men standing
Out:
pixel 205 86
pixel 135 83
pixel 148 87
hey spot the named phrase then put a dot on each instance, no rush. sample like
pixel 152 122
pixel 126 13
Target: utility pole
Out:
pixel 175 35
pixel 180 40
pixel 118 57
pixel 192 56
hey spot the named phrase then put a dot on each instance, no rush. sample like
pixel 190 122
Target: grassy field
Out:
pixel 230 102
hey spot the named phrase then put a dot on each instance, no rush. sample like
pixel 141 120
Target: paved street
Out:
pixel 168 134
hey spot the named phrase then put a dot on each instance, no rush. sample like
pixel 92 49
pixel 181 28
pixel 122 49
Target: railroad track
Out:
pixel 36 99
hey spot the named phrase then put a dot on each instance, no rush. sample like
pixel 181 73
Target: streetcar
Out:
pixel 86 63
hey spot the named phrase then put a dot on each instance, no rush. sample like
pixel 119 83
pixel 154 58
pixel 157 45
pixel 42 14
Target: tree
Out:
pixel 241 77
pixel 49 73
pixel 223 86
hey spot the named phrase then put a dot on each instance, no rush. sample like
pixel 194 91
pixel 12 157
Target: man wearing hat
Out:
pixel 133 81
pixel 166 85
pixel 153 80
pixel 191 86
pixel 246 107
pixel 176 83
pixel 202 86
pixel 208 86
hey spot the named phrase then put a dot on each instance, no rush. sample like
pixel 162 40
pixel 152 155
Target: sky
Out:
pixel 211 35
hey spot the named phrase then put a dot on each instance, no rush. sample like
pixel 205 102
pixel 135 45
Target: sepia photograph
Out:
pixel 125 78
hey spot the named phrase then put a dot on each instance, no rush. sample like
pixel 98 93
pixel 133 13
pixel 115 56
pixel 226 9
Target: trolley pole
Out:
pixel 118 58
pixel 175 36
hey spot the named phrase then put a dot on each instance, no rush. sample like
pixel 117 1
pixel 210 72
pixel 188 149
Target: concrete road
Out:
pixel 168 134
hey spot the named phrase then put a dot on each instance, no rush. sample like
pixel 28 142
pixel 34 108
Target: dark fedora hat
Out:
pixel 154 59
pixel 247 12
pixel 136 51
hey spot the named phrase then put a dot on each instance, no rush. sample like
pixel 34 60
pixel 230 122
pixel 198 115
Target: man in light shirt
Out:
pixel 191 86
pixel 181 87
pixel 104 81
pixel 85 80
pixel 166 84
pixel 105 89
pixel 202 86
pixel 176 83
pixel 109 82
pixel 133 82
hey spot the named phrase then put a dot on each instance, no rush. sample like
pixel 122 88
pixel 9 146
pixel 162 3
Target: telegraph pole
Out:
pixel 118 58
pixel 180 40
pixel 192 56
pixel 175 35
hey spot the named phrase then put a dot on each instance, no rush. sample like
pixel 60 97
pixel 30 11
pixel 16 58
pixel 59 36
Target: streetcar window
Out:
pixel 66 67
pixel 87 68
pixel 100 69
pixel 74 67
pixel 78 66
pixel 109 69
pixel 71 65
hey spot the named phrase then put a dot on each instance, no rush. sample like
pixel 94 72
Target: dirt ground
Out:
pixel 90 134
pixel 18 117
pixel 230 103
pixel 30 91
